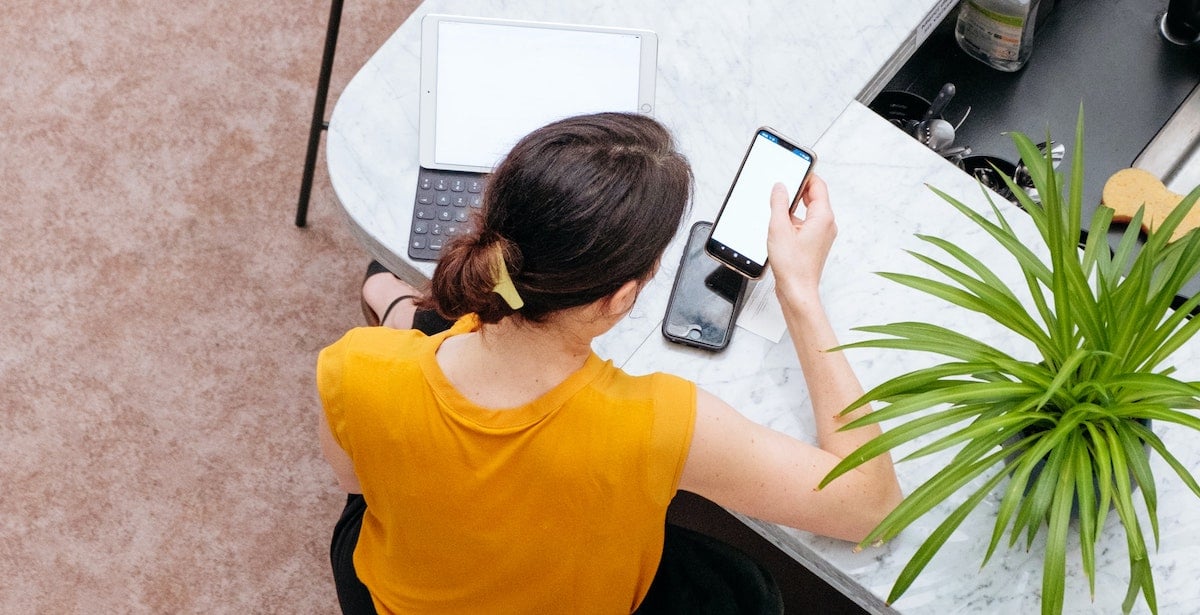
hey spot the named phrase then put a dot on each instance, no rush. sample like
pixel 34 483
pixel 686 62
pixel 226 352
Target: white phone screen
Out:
pixel 747 214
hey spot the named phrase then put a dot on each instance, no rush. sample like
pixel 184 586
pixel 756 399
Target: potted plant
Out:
pixel 1062 434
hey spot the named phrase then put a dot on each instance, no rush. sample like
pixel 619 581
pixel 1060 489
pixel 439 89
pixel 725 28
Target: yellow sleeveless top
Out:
pixel 557 506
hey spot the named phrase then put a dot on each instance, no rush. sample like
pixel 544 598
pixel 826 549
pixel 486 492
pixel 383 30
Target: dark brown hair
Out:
pixel 579 207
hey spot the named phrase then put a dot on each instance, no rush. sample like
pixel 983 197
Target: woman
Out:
pixel 503 466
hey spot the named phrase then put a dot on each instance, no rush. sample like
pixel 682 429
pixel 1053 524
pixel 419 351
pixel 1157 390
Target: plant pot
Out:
pixel 1041 463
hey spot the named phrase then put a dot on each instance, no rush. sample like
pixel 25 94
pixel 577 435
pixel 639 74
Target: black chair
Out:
pixel 318 117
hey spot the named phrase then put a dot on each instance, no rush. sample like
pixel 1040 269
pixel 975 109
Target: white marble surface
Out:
pixel 876 178
pixel 725 68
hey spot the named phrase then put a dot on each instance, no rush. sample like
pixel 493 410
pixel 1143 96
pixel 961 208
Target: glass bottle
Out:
pixel 998 33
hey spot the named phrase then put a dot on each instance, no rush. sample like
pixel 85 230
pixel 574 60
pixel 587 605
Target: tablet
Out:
pixel 485 83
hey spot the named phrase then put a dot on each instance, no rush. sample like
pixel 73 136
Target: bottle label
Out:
pixel 996 34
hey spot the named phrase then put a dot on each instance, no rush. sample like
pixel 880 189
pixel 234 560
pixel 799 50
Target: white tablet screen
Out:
pixel 496 83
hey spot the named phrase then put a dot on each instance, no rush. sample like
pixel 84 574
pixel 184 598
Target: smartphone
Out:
pixel 706 297
pixel 739 235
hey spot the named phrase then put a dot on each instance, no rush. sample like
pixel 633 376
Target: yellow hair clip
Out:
pixel 504 284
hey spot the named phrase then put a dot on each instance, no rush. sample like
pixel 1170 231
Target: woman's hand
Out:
pixel 797 248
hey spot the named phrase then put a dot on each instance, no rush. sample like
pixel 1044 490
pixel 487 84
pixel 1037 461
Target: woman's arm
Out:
pixel 760 472
pixel 337 458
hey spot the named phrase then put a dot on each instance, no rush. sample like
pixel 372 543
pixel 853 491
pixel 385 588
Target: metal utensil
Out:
pixel 940 101
pixel 956 154
pixel 1057 152
pixel 939 134
pixel 963 118
pixel 1024 179
pixel 935 132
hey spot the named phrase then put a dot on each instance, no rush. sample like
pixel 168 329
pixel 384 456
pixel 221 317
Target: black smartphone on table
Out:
pixel 706 297
pixel 739 235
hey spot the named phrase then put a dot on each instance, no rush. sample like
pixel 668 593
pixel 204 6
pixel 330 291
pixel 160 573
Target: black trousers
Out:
pixel 697 574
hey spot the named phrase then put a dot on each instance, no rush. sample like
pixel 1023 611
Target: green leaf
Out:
pixel 1054 566
pixel 1139 465
pixel 924 337
pixel 974 303
pixel 1139 561
pixel 997 429
pixel 1027 260
pixel 930 546
pixel 932 492
pixel 1152 439
pixel 1085 492
pixel 962 394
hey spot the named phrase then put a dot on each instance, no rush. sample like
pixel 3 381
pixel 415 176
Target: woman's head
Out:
pixel 578 208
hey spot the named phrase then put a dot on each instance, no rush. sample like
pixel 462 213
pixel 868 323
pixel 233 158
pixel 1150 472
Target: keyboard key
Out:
pixel 440 210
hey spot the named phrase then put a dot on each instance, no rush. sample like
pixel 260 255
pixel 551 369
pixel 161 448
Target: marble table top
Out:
pixel 724 69
pixel 877 180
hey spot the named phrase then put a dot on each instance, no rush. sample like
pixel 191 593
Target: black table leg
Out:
pixel 318 118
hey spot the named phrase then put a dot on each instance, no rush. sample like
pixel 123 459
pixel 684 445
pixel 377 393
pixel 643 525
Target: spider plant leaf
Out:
pixel 909 431
pixel 1147 582
pixel 964 393
pixel 930 546
pixel 1096 246
pixel 981 287
pixel 1175 341
pixel 969 301
pixel 1102 462
pixel 929 494
pixel 1165 415
pixel 918 381
pixel 1139 466
pixel 1054 564
pixel 1134 387
pixel 1033 158
pixel 1030 450
pixel 1065 372
pixel 1085 493
pixel 1025 257
pixel 1138 558
pixel 1125 247
pixel 1167 337
pixel 975 265
pixel 959 394
pixel 1162 235
pixel 921 337
pixel 1075 186
pixel 1149 437
pixel 1055 230
pixel 995 430
pixel 1003 304
pixel 1035 508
